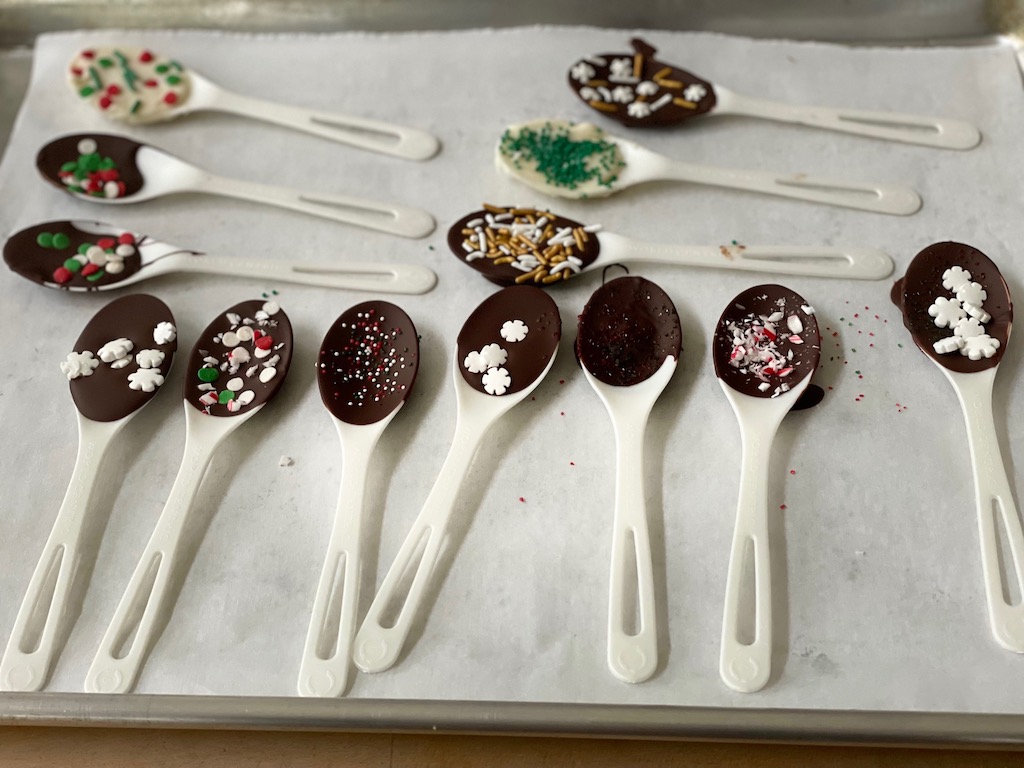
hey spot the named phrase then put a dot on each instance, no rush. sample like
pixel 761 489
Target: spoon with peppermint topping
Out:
pixel 581 161
pixel 765 349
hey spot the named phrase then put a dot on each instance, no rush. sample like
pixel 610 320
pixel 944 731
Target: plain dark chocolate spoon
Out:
pixel 510 245
pixel 628 345
pixel 505 349
pixel 766 347
pixel 118 365
pixel 367 366
pixel 640 91
pixel 236 367
pixel 932 298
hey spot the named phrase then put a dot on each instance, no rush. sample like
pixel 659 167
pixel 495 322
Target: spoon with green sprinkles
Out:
pixel 580 160
pixel 138 86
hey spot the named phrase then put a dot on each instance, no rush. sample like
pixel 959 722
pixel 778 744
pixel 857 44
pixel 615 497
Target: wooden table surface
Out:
pixel 24 746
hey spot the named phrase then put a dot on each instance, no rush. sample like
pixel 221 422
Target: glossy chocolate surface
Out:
pixel 39 253
pixel 627 330
pixel 368 362
pixel 55 160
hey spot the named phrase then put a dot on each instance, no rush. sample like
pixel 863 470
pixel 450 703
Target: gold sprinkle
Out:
pixel 638 64
pixel 662 73
pixel 684 103
pixel 504 260
pixel 670 84
pixel 576 235
pixel 493 208
pixel 552 278
pixel 596 83
pixel 603 105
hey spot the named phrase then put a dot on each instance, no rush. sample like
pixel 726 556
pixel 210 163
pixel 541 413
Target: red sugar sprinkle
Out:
pixel 88 54
pixel 561 381
pixel 145 57
pixel 782 507
pixel 150 83
pixel 113 90
pixel 572 463
pixel 522 499
pixel 104 102
pixel 561 413
pixel 792 471
pixel 171 98
pixel 856 315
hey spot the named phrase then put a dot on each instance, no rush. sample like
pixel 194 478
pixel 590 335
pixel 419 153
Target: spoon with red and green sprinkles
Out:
pixel 138 86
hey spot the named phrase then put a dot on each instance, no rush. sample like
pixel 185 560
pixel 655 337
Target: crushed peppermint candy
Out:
pixel 756 349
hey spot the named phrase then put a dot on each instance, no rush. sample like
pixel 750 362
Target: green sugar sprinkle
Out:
pixel 106 63
pixel 135 106
pixel 86 91
pixel 562 160
pixel 173 80
pixel 96 82
pixel 161 68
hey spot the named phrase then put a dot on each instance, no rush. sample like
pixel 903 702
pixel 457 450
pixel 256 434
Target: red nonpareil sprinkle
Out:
pixel 104 102
pixel 572 463
pixel 561 381
pixel 522 499
pixel 782 507
pixel 561 413
pixel 792 471
pixel 145 57
pixel 170 98
pixel 113 90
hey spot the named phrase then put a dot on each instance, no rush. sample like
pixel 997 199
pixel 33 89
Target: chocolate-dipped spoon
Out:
pixel 139 86
pixel 504 350
pixel 512 245
pixel 107 168
pixel 92 256
pixel 958 310
pixel 628 346
pixel 238 364
pixel 581 161
pixel 118 365
pixel 639 91
pixel 765 348
pixel 367 366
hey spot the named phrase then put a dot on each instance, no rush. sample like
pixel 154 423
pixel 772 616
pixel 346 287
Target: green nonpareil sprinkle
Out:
pixel 97 83
pixel 173 79
pixel 562 160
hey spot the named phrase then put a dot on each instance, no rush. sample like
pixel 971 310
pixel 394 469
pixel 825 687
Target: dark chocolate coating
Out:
pixel 528 358
pixel 368 362
pixel 277 327
pixel 26 257
pixel 763 300
pixel 505 274
pixel 918 289
pixel 627 330
pixel 670 113
pixel 120 149
pixel 105 395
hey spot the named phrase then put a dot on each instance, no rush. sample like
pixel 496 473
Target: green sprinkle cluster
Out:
pixel 562 160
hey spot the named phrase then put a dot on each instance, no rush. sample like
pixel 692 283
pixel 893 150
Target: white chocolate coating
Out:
pixel 131 85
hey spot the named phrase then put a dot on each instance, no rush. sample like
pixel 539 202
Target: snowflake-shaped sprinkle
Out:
pixel 493 355
pixel 623 94
pixel 977 347
pixel 977 313
pixel 121 362
pixel 949 344
pixel 971 293
pixel 620 69
pixel 149 358
pixel 954 277
pixel 968 328
pixel 79 364
pixel 145 379
pixel 947 312
pixel 496 381
pixel 164 333
pixel 695 92
pixel 646 88
pixel 582 72
pixel 514 330
pixel 475 363
pixel 589 94
pixel 638 109
pixel 115 350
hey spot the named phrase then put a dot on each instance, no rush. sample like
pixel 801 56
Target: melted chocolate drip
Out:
pixel 764 300
pixel 105 395
pixel 368 362
pixel 25 256
pixel 627 330
pixel 528 358
pixel 922 284
pixel 121 150
pixel 670 80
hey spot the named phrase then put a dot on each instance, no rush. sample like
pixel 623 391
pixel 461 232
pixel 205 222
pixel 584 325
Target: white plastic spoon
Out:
pixel 505 349
pixel 253 372
pixel 368 364
pixel 937 272
pixel 43 252
pixel 106 400
pixel 511 244
pixel 106 168
pixel 534 153
pixel 638 90
pixel 138 86
pixel 628 346
pixel 751 349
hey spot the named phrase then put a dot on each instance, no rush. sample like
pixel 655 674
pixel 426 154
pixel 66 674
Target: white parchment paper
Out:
pixel 878 598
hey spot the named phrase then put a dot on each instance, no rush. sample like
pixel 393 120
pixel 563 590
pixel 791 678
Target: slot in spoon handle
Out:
pixel 892 126
pixel 26 669
pixel 993 496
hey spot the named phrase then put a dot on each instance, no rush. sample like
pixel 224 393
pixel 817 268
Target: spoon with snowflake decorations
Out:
pixel 118 365
pixel 581 161
pixel 504 350
pixel 235 368
pixel 368 364
pixel 512 245
pixel 766 347
pixel 138 86
pixel 628 346
pixel 105 168
pixel 92 256
pixel 958 310
pixel 639 91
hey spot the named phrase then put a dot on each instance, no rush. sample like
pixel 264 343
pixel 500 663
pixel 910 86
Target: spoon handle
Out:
pixel 373 135
pixel 120 656
pixel 892 126
pixel 377 645
pixel 30 650
pixel 379 277
pixel 993 499
pixel 325 661
pixel 880 198
pixel 391 218
pixel 811 260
